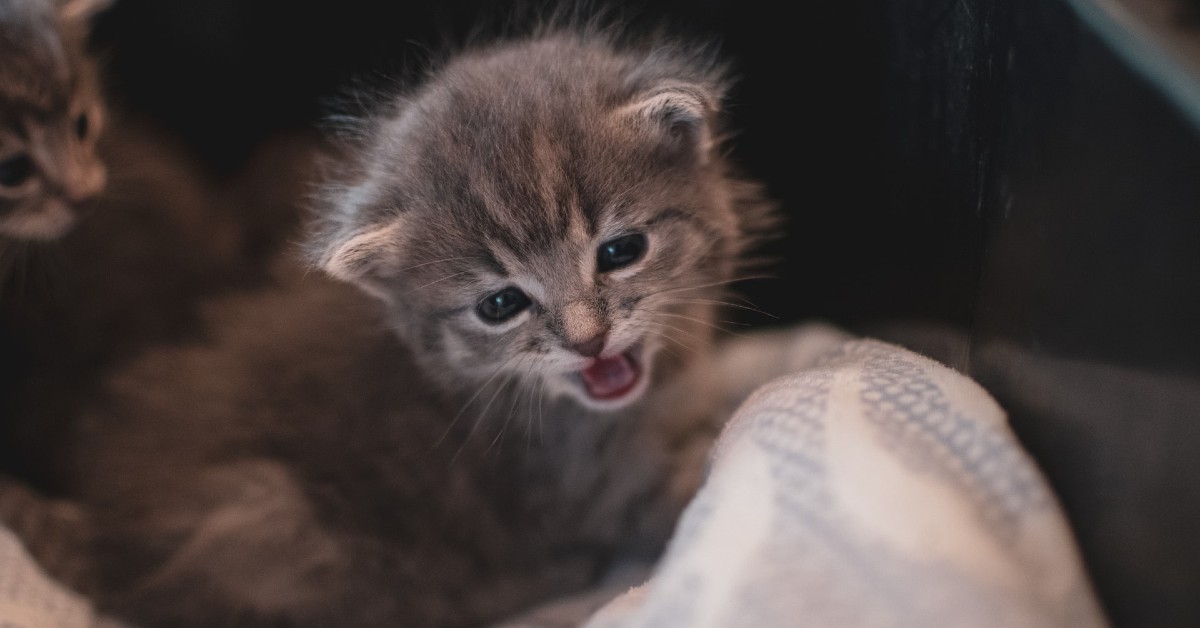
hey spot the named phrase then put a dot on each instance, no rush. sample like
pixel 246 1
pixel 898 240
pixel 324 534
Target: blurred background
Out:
pixel 1012 187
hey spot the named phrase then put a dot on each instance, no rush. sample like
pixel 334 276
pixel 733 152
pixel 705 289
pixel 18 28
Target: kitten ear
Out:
pixel 355 256
pixel 81 9
pixel 681 112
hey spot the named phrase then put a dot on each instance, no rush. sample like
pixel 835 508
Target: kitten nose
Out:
pixel 584 328
pixel 85 185
pixel 591 347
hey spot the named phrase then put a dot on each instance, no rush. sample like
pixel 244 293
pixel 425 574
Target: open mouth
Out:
pixel 612 378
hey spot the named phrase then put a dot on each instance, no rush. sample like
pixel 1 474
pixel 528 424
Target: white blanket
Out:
pixel 30 599
pixel 876 488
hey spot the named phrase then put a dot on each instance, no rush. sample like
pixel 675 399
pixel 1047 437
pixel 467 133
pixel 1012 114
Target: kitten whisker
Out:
pixel 436 281
pixel 648 321
pixel 724 303
pixel 537 393
pixel 513 405
pixel 742 298
pixel 529 409
pixel 541 417
pixel 437 261
pixel 700 321
pixel 52 270
pixel 672 352
pixel 8 253
pixel 483 414
pixel 529 394
pixel 677 341
pixel 525 378
pixel 710 285
pixel 22 270
pixel 699 339
pixel 37 269
pixel 499 369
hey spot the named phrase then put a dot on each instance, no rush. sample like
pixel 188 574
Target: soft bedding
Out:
pixel 30 599
pixel 876 488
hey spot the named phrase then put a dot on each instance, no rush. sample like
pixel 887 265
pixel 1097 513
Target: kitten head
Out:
pixel 50 116
pixel 555 213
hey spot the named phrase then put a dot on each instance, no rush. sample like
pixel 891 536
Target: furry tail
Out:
pixel 55 532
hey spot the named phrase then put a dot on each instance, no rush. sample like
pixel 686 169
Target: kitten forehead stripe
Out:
pixel 493 263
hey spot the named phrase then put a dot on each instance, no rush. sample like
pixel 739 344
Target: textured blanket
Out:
pixel 876 488
pixel 30 599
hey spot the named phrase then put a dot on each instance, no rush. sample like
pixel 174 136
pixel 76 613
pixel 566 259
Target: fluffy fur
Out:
pixel 323 458
pixel 511 167
pixel 51 115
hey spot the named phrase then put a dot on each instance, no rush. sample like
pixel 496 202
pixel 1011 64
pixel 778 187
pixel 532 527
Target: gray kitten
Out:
pixel 549 225
pixel 50 116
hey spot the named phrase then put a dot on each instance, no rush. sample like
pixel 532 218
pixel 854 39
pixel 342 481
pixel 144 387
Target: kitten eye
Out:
pixel 503 305
pixel 620 252
pixel 81 125
pixel 15 170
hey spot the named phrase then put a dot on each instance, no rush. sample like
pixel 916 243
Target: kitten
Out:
pixel 50 116
pixel 548 224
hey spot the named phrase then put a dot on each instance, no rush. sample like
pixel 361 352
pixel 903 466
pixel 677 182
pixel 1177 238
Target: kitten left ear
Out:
pixel 356 256
pixel 81 9
pixel 681 112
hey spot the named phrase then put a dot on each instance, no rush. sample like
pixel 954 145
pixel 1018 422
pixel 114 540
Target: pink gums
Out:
pixel 610 378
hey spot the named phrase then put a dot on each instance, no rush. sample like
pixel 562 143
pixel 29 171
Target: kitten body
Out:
pixel 544 228
pixel 51 114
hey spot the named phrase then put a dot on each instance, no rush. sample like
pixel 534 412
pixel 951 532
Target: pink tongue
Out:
pixel 610 377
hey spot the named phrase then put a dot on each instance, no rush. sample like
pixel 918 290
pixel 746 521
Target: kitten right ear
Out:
pixel 681 112
pixel 81 9
pixel 355 256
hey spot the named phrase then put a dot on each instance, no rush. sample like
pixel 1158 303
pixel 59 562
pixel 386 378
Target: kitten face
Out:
pixel 551 214
pixel 50 117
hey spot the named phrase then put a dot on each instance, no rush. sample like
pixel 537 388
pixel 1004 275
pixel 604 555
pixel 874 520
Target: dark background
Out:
pixel 985 180
pixel 808 106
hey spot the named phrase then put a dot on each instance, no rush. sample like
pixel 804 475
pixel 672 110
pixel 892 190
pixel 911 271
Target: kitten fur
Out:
pixel 51 115
pixel 327 458
pixel 165 236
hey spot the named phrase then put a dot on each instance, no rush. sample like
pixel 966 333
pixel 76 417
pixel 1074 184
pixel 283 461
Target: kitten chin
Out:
pixel 53 219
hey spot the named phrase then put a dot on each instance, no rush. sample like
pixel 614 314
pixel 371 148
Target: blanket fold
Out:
pixel 876 488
